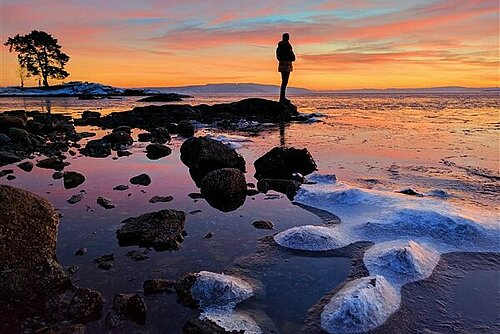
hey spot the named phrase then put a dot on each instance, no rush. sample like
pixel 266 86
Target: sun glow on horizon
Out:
pixel 339 45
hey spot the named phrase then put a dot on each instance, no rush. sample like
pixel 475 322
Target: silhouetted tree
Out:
pixel 22 73
pixel 40 54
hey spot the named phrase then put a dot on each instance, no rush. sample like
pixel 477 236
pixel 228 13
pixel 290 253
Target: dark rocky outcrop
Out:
pixel 118 138
pixel 263 225
pixel 98 148
pixel 157 151
pixel 287 187
pixel 282 163
pixel 203 155
pixel 126 307
pixel 28 235
pixel 153 286
pixel 51 163
pixel 224 189
pixel 105 203
pixel 142 179
pixel 162 230
pixel 86 305
pixel 185 129
pixel 171 97
pixel 72 179
pixel 26 166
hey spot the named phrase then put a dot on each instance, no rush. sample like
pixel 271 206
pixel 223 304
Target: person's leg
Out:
pixel 284 82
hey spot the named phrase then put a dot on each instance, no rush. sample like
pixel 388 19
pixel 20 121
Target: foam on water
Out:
pixel 235 142
pixel 423 227
pixel 361 305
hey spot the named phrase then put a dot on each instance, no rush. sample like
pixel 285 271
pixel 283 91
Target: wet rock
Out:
pixel 287 187
pixel 104 262
pixel 203 155
pixel 185 129
pixel 125 307
pixel 123 128
pixel 75 198
pixel 51 163
pixel 7 122
pixel 263 224
pixel 223 182
pixel 122 153
pixel 27 252
pixel 205 326
pixel 87 134
pixel 105 203
pixel 282 163
pixel 81 251
pixel 142 179
pixel 162 230
pixel 208 235
pixel 156 199
pixel 86 305
pixel 26 166
pixel 154 286
pixel 6 172
pixel 18 135
pixel 118 138
pixel 8 158
pixel 90 114
pixel 160 135
pixel 57 175
pixel 138 256
pixel 98 148
pixel 4 139
pixel 157 151
pixel 11 177
pixel 410 192
pixel 195 195
pixel 72 179
pixel 145 136
pixel 121 187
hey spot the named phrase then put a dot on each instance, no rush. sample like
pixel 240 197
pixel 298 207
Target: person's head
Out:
pixel 286 36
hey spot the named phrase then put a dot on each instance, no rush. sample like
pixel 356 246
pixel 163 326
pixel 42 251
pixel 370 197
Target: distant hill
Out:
pixel 232 88
pixel 435 90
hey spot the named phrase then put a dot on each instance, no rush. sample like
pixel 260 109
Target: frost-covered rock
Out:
pixel 360 306
pixel 231 321
pixel 219 290
pixel 401 261
pixel 311 238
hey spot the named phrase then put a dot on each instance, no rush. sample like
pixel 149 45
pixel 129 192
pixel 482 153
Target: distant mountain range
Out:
pixel 232 88
pixel 436 90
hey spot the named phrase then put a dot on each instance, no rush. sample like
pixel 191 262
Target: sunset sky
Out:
pixel 339 44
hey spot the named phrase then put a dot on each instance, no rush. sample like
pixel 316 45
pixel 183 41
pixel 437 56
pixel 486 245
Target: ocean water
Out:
pixel 443 146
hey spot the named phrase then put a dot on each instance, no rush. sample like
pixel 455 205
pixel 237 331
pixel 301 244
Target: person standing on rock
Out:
pixel 285 56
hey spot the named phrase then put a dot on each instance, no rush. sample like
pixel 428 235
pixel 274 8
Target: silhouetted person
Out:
pixel 285 56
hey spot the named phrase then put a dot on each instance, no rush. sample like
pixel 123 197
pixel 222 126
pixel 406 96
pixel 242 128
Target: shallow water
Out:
pixel 381 142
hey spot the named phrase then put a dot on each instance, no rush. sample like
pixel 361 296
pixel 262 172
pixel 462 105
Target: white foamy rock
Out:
pixel 322 178
pixel 219 290
pixel 311 238
pixel 401 261
pixel 231 320
pixel 360 306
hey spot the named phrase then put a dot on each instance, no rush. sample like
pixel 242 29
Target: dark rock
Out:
pixel 8 158
pixel 195 212
pixel 121 187
pixel 81 251
pixel 10 177
pixel 142 179
pixel 282 163
pixel 156 199
pixel 183 289
pixel 223 182
pixel 287 187
pixel 75 198
pixel 410 192
pixel 138 256
pixel 57 175
pixel 252 192
pixel 105 203
pixel 185 129
pixel 153 286
pixel 105 258
pixel 87 134
pixel 208 235
pixel 162 230
pixel 263 224
pixel 90 114
pixel 205 326
pixel 127 306
pixel 160 135
pixel 118 138
pixel 11 122
pixel 123 128
pixel 171 97
pixel 157 151
pixel 73 179
pixel 122 153
pixel 18 135
pixel 98 148
pixel 4 139
pixel 6 172
pixel 105 265
pixel 51 163
pixel 203 155
pixel 86 305
pixel 145 136
pixel 195 195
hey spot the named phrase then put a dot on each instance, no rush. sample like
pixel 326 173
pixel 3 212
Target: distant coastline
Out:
pixel 96 90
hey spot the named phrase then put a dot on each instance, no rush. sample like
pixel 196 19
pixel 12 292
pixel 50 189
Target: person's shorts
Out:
pixel 285 66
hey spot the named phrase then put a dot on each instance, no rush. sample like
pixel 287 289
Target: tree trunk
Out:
pixel 45 81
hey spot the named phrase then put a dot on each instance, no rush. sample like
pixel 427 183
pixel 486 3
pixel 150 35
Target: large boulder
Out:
pixel 118 138
pixel 157 151
pixel 86 305
pixel 162 230
pixel 7 122
pixel 28 236
pixel 18 135
pixel 185 129
pixel 72 179
pixel 283 163
pixel 224 189
pixel 98 148
pixel 203 155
